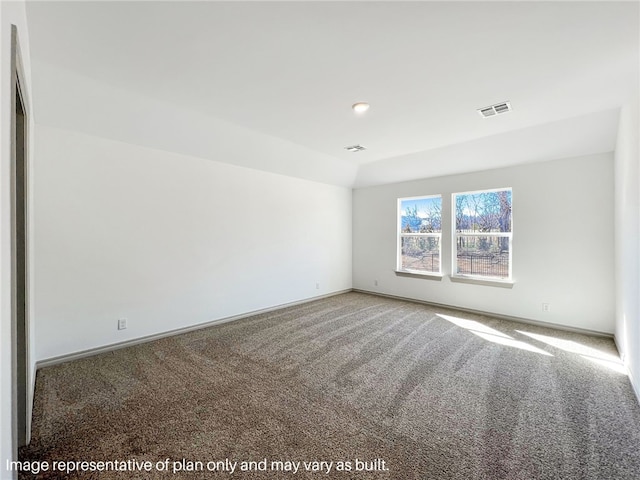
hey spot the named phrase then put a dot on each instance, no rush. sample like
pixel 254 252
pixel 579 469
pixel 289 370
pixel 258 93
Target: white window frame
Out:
pixel 455 235
pixel 402 235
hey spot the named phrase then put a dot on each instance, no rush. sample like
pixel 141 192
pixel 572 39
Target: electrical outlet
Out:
pixel 546 307
pixel 317 286
pixel 375 283
pixel 122 323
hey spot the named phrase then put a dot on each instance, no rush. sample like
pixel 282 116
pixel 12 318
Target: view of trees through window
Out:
pixel 483 233
pixel 420 230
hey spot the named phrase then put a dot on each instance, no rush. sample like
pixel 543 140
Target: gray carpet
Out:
pixel 433 394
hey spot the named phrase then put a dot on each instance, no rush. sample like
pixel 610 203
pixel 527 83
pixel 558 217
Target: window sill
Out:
pixel 482 281
pixel 415 273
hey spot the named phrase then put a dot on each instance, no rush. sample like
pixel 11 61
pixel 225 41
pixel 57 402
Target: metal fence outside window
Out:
pixel 431 262
pixel 484 265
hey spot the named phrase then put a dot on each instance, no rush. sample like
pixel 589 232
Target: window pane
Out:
pixel 483 211
pixel 421 215
pixel 420 253
pixel 483 256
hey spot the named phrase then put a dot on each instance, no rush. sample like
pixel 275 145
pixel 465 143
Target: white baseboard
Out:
pixel 149 338
pixel 491 314
pixel 635 385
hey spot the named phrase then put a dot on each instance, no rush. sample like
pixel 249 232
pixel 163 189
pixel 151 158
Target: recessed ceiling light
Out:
pixel 355 148
pixel 360 107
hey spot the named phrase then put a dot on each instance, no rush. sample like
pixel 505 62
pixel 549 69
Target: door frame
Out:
pixel 21 390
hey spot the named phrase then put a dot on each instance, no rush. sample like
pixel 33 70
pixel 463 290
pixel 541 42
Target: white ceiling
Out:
pixel 292 70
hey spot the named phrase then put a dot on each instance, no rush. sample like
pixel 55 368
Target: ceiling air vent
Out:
pixel 494 110
pixel 355 148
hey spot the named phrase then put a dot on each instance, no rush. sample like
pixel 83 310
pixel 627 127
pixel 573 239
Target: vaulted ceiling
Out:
pixel 290 71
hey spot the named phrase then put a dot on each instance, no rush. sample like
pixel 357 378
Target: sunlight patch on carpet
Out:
pixel 491 334
pixel 612 362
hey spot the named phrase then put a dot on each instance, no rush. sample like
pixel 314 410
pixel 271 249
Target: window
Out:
pixel 419 231
pixel 482 238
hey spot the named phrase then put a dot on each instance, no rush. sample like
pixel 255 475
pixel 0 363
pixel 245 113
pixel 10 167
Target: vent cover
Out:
pixel 355 148
pixel 493 110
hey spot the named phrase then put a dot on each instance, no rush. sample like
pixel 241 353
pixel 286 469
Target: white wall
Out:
pixel 562 242
pixel 11 13
pixel 627 231
pixel 168 241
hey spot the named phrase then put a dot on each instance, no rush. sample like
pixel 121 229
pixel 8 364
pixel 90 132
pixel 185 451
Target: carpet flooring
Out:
pixel 377 388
